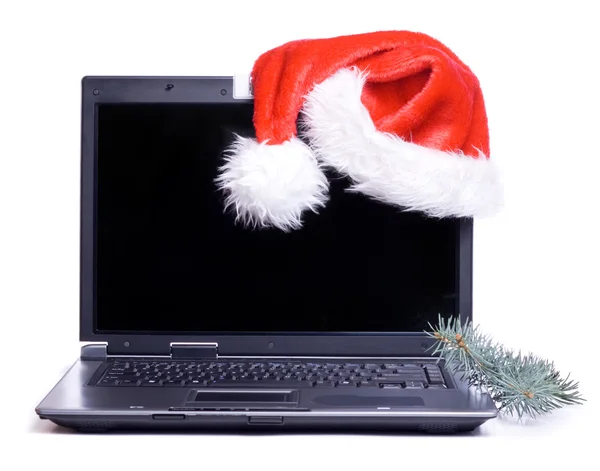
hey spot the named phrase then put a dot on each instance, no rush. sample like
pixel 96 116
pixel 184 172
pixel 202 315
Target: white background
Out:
pixel 536 264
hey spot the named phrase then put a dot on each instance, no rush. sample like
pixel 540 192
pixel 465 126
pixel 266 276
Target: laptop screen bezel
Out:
pixel 97 90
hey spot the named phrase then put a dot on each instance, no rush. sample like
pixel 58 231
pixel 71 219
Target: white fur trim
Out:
pixel 272 185
pixel 383 166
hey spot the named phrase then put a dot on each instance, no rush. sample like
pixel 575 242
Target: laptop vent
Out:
pixel 94 425
pixel 438 428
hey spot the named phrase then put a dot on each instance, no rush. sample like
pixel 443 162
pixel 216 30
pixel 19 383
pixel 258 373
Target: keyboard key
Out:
pixel 368 384
pixel 173 382
pixel 325 384
pixel 436 380
pixel 197 381
pixel 152 382
pixel 128 382
pixel 350 384
pixel 410 370
pixel 401 377
pixel 414 385
pixel 129 378
pixel 392 385
pixel 434 374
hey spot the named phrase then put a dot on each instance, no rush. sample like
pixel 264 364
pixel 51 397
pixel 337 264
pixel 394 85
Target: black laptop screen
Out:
pixel 168 259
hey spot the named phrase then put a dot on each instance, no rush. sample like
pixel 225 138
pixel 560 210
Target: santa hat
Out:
pixel 397 112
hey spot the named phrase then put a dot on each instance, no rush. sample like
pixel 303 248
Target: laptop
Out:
pixel 191 321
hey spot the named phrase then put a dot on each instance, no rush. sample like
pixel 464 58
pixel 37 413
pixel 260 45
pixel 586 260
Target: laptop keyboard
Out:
pixel 198 374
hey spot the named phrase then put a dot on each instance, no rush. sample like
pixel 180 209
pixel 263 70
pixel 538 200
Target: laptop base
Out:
pixel 270 424
pixel 76 403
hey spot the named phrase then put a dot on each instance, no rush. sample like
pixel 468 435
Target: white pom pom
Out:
pixel 272 185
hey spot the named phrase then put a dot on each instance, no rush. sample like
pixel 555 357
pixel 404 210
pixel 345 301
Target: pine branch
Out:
pixel 519 384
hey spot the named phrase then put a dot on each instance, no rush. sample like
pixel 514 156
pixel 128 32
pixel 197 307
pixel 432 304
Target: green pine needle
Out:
pixel 519 384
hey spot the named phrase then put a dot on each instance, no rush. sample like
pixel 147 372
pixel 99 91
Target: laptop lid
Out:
pixel 162 262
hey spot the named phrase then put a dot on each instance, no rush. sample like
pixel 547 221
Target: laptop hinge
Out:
pixel 194 351
pixel 93 352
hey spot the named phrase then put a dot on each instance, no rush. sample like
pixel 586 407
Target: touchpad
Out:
pixel 365 401
pixel 243 396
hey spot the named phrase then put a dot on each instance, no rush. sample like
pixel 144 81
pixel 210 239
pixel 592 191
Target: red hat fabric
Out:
pixel 397 112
